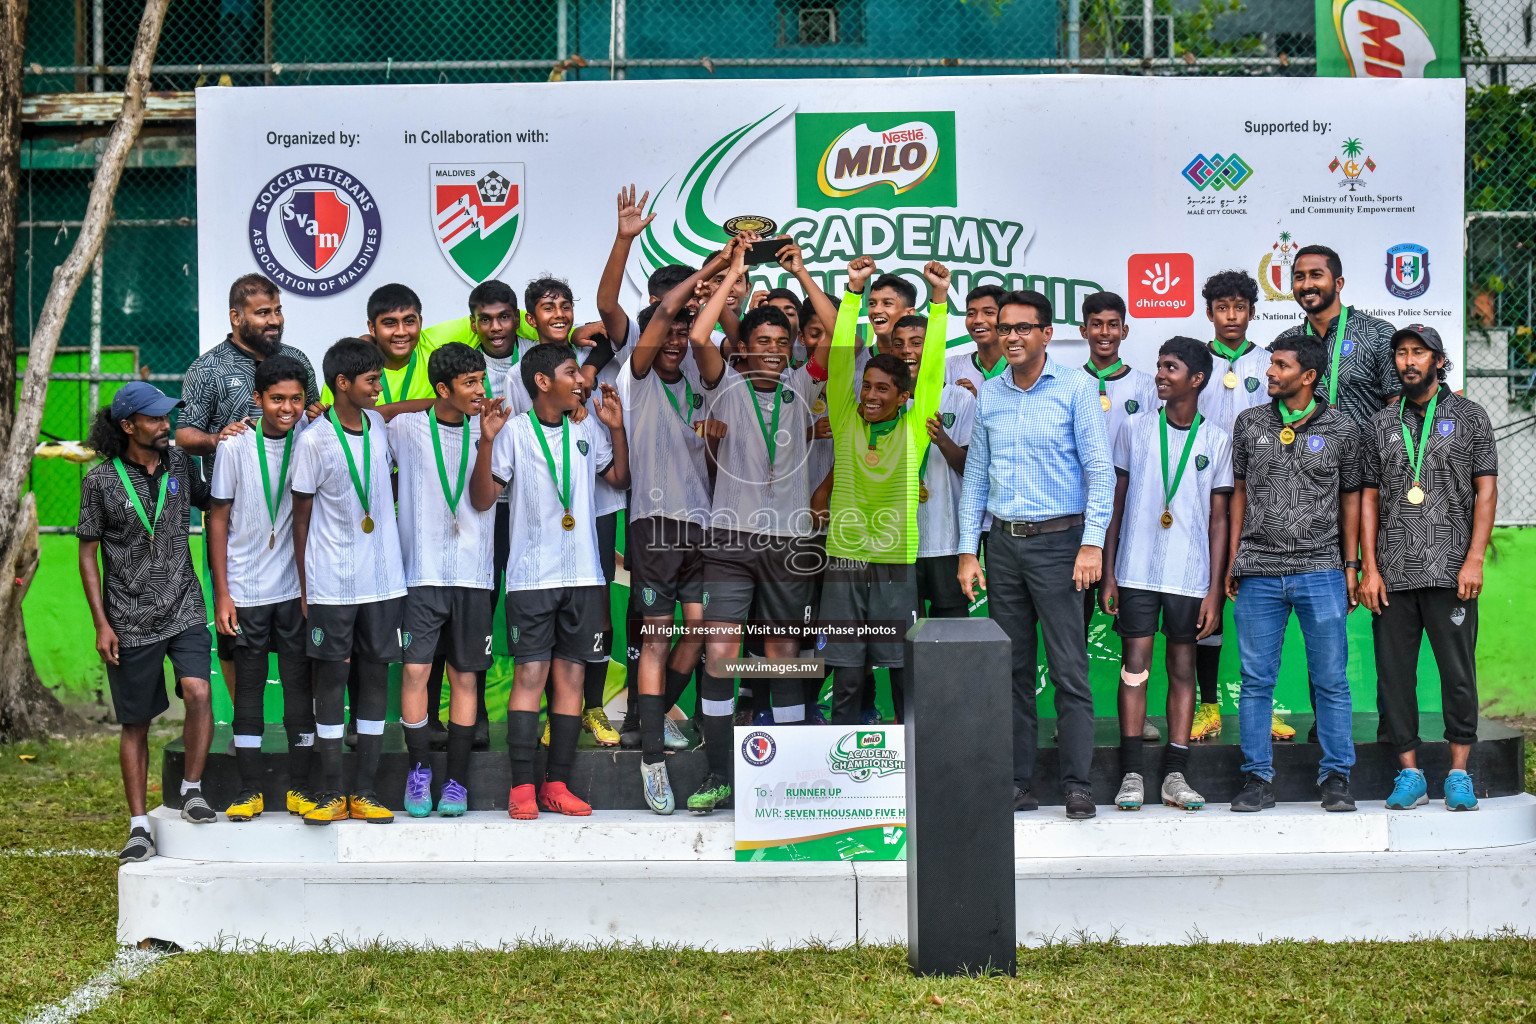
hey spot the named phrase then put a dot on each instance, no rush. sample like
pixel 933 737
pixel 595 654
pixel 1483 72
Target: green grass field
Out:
pixel 58 918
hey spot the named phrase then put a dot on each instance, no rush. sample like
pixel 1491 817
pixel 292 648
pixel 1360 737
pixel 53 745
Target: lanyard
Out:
pixel 273 499
pixel 1338 346
pixel 362 485
pixel 1104 374
pixel 405 385
pixel 1228 354
pixel 1002 364
pixel 1416 459
pixel 133 496
pixel 1189 445
pixel 770 432
pixel 450 495
pixel 879 430
pixel 688 403
pixel 564 491
pixel 1287 417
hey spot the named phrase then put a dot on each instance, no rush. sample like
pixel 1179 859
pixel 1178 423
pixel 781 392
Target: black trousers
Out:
pixel 1029 584
pixel 1451 624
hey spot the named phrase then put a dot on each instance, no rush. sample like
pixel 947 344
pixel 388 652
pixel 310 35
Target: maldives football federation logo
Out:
pixel 476 213
pixel 1407 270
pixel 315 229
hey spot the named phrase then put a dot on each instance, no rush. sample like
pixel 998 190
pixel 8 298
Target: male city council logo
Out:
pixel 758 749
pixel 315 229
pixel 864 755
pixel 1407 270
pixel 875 160
pixel 476 213
pixel 1217 172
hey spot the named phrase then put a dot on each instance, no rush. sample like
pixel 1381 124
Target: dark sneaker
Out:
pixel 1025 800
pixel 713 793
pixel 196 810
pixel 629 732
pixel 140 847
pixel 1257 793
pixel 437 733
pixel 1336 796
pixel 1080 805
pixel 482 740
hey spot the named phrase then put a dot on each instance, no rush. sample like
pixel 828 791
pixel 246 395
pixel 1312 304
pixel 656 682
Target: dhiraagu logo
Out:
pixel 883 161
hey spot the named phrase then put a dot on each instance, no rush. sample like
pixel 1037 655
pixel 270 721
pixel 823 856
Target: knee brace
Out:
pixel 1132 679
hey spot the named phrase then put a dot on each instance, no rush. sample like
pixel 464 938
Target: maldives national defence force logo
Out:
pixel 476 213
pixel 314 229
pixel 864 755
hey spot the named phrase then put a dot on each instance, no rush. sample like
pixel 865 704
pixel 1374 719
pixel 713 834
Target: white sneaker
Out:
pixel 1131 793
pixel 658 787
pixel 1178 793
pixel 671 736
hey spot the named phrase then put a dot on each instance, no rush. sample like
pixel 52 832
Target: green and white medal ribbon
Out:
pixel 133 497
pixel 405 385
pixel 363 484
pixel 567 521
pixel 273 499
pixel 450 494
pixel 1104 375
pixel 1338 347
pixel 1170 489
pixel 1415 493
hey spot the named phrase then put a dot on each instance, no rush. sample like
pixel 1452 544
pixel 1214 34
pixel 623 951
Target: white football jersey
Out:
pixel 258 574
pixel 752 495
pixel 668 475
pixel 438 548
pixel 938 518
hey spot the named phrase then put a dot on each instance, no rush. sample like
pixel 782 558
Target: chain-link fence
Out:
pixel 138 313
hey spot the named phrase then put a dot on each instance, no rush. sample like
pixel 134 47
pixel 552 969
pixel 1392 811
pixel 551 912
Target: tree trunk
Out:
pixel 26 706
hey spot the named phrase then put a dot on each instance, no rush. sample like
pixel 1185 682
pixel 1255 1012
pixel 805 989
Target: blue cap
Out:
pixel 140 396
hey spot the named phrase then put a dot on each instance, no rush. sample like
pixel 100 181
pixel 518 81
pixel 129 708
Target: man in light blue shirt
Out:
pixel 1039 462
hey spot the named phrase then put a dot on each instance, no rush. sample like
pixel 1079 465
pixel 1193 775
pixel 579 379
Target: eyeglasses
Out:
pixel 1022 330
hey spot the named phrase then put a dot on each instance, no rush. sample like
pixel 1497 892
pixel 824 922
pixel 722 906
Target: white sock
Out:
pixel 1454 771
pixel 138 821
pixel 187 787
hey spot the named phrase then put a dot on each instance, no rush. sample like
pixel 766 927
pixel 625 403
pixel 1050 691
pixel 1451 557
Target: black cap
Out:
pixel 1428 335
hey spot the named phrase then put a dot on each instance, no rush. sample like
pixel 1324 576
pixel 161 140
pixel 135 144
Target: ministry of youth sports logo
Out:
pixel 315 229
pixel 476 213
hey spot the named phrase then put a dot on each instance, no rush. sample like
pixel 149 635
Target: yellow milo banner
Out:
pixel 1388 39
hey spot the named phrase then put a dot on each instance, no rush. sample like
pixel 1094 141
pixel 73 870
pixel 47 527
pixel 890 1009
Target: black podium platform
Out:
pixel 610 778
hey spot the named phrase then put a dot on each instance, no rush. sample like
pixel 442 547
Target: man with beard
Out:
pixel 1430 470
pixel 219 391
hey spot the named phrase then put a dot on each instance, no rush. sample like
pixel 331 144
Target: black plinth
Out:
pixel 610 778
pixel 960 907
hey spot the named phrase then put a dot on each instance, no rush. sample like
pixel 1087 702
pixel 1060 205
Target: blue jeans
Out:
pixel 1261 612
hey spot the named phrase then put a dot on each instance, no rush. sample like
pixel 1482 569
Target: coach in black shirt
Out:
pixel 145 598
pixel 1430 471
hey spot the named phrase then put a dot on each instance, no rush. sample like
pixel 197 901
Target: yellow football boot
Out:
pixel 366 808
pixel 1207 723
pixel 595 721
pixel 328 808
pixel 300 802
pixel 1278 730
pixel 247 805
pixel 544 740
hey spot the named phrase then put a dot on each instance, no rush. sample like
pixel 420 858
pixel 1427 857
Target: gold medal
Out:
pixel 568 522
pixel 271 540
pixel 1104 402
pixel 871 458
pixel 922 492
pixel 1415 494
pixel 1230 380
pixel 1287 435
pixel 820 407
pixel 1167 519
pixel 367 523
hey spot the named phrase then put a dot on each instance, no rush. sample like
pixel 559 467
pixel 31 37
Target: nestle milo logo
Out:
pixel 875 160
pixel 863 755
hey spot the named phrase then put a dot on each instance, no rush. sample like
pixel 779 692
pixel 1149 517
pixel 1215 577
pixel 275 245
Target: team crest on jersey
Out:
pixel 706 599
pixel 1444 428
pixel 698 401
pixel 1252 384
pixel 648 595
pixel 317 636
pixel 515 634
pixel 1131 405
pixel 405 638
pixel 1201 462
pixel 1348 347
pixel 821 641
pixel 581 446
pixel 949 420
pixel 1314 443
pixel 789 396
pixel 173 485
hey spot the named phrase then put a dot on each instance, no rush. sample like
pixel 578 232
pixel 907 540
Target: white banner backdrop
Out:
pixel 1066 184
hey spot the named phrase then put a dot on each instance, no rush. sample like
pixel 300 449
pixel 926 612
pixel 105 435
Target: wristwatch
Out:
pixel 1355 564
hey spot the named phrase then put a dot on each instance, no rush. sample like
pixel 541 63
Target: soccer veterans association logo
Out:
pixel 476 215
pixel 758 749
pixel 880 160
pixel 1407 270
pixel 315 229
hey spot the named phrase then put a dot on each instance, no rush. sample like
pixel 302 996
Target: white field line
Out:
pixel 127 965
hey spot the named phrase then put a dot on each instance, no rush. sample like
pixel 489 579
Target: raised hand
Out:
pixel 632 219
pixel 860 270
pixel 493 416
pixel 609 411
pixel 938 279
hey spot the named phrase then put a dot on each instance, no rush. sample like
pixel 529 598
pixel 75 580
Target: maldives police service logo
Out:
pixel 476 213
pixel 949 420
pixel 1407 270
pixel 758 749
pixel 405 638
pixel 648 595
pixel 315 229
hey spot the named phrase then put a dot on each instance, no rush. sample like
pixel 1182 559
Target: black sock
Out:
pixel 595 680
pixel 418 749
pixel 716 717
pixel 372 698
pixel 330 692
pixel 632 623
pixel 810 693
pixel 1175 759
pixel 248 761
pixel 301 761
pixel 564 730
pixel 1130 754
pixel 435 685
pixel 899 694
pixel 460 739
pixel 1208 672
pixel 298 719
pixel 250 691
pixel 867 694
pixel 677 682
pixel 847 694
pixel 652 711
pixel 522 742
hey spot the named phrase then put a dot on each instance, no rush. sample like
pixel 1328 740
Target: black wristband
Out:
pixel 1352 565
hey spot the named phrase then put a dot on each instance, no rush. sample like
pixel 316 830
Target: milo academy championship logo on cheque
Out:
pixel 864 755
